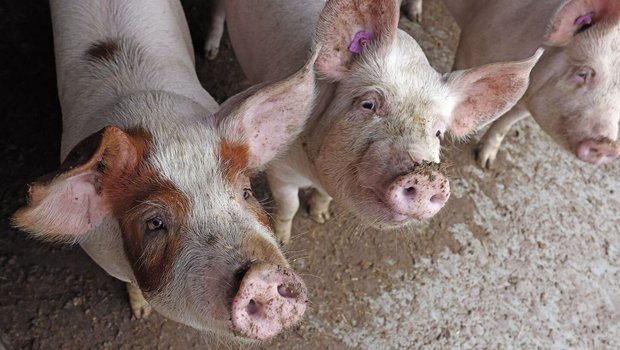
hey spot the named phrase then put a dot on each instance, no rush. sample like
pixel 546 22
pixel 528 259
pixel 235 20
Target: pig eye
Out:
pixel 585 75
pixel 440 129
pixel 247 194
pixel 370 105
pixel 155 224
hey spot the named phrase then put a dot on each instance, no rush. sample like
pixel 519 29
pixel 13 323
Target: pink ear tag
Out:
pixel 360 41
pixel 586 19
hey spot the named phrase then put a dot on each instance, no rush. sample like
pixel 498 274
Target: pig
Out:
pixel 155 180
pixel 574 93
pixel 411 8
pixel 373 140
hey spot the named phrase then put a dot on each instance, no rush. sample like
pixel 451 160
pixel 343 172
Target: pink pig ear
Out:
pixel 347 27
pixel 574 16
pixel 485 93
pixel 261 121
pixel 68 203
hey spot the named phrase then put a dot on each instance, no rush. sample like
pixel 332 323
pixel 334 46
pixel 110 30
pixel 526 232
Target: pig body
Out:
pixel 373 140
pixel 574 92
pixel 158 194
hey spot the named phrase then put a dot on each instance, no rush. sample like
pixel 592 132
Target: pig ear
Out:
pixel 347 27
pixel 574 16
pixel 260 122
pixel 486 92
pixel 68 202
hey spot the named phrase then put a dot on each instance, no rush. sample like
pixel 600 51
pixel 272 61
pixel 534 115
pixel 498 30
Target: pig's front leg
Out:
pixel 285 195
pixel 492 140
pixel 412 9
pixel 216 30
pixel 139 306
pixel 318 206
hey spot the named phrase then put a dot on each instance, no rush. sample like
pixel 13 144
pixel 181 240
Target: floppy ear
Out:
pixel 260 122
pixel 69 202
pixel 485 93
pixel 574 16
pixel 347 27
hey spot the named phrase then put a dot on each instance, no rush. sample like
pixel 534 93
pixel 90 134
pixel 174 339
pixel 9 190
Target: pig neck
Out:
pixel 117 52
pixel 499 30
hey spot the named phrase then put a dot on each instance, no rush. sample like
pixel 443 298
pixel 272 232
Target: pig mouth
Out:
pixel 380 214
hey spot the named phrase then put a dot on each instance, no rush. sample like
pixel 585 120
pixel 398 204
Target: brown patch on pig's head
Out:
pixel 234 160
pixel 152 213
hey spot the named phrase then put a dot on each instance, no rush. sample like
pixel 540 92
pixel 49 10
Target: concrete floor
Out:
pixel 525 256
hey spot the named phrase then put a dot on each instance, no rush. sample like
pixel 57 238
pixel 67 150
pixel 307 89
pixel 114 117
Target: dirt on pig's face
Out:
pixel 386 119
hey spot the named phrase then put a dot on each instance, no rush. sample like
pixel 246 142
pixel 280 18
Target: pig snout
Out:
pixel 598 151
pixel 270 299
pixel 419 194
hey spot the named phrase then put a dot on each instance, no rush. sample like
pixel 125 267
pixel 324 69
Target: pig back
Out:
pixel 271 38
pixel 499 30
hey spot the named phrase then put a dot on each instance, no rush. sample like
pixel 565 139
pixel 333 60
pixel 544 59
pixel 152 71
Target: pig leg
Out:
pixel 286 198
pixel 412 10
pixel 139 306
pixel 318 206
pixel 489 145
pixel 216 30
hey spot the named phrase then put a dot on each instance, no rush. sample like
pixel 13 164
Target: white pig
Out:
pixel 159 194
pixel 574 93
pixel 411 8
pixel 373 141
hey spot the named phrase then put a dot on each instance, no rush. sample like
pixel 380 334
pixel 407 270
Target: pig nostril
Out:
pixel 252 307
pixel 286 291
pixel 410 191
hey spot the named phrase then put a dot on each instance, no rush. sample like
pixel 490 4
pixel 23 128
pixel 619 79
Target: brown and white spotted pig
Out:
pixel 373 141
pixel 574 93
pixel 158 194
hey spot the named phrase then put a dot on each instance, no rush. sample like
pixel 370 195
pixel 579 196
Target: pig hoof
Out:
pixel 318 206
pixel 141 310
pixel 485 156
pixel 319 215
pixel 139 306
pixel 212 52
pixel 283 231
pixel 413 10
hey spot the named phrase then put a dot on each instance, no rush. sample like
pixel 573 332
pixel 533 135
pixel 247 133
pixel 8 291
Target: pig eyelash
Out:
pixel 247 193
pixel 370 105
pixel 585 75
pixel 155 224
